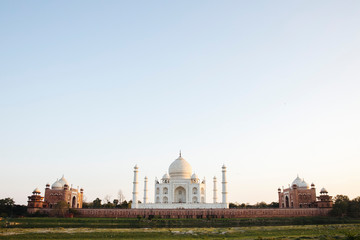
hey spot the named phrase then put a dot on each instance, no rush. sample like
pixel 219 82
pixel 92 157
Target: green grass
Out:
pixel 339 231
pixel 112 228
pixel 45 222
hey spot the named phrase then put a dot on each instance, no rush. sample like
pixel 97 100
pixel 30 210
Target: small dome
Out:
pixel 57 185
pixel 36 190
pixel 166 176
pixel 304 184
pixel 63 181
pixel 300 183
pixel 194 176
pixel 180 168
pixel 323 190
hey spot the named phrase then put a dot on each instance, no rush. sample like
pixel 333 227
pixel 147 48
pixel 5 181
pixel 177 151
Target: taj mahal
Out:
pixel 180 188
pixel 180 193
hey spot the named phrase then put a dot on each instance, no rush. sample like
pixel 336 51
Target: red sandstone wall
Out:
pixel 194 213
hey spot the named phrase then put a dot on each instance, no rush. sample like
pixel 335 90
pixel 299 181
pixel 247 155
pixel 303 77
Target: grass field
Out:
pixel 65 228
pixel 45 222
pixel 348 231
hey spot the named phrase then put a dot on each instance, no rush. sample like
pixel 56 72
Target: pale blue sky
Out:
pixel 90 88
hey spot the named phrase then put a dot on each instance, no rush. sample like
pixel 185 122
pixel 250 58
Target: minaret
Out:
pixel 279 195
pixel 215 191
pixel 135 188
pixel 145 190
pixel 224 191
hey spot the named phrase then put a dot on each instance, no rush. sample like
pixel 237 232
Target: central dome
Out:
pixel 297 181
pixel 300 183
pixel 180 168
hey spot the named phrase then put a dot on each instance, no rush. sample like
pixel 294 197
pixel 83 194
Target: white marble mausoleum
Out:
pixel 179 188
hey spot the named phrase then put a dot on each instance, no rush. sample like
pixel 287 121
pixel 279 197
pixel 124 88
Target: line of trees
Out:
pixel 8 208
pixel 257 205
pixel 344 207
pixel 118 202
pixel 114 204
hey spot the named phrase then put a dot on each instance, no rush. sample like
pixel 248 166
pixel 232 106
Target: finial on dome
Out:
pixel 180 153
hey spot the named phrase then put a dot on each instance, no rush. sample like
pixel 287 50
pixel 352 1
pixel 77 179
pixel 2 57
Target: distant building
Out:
pixel 300 195
pixel 324 200
pixel 35 201
pixel 59 191
pixel 180 188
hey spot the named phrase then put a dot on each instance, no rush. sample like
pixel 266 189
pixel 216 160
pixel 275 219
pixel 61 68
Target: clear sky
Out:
pixel 90 88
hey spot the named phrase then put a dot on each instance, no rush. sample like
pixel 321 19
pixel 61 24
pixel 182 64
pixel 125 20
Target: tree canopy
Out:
pixel 8 208
pixel 343 206
pixel 257 205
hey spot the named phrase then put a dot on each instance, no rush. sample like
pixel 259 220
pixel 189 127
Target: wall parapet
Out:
pixel 197 213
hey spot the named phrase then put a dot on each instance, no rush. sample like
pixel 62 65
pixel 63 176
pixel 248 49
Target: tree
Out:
pixel 261 205
pixel 9 202
pixel 340 207
pixel 233 205
pixel 108 205
pixel 61 208
pixel 97 203
pixel 6 207
pixel 125 204
pixel 243 205
pixel 87 205
pixel 273 205
pixel 354 207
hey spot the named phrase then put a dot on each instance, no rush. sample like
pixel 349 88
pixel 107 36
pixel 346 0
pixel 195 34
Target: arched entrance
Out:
pixel 73 205
pixel 287 202
pixel 180 195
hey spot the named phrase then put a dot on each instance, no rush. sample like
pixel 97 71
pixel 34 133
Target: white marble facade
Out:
pixel 180 189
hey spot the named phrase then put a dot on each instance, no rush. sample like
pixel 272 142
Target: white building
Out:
pixel 180 189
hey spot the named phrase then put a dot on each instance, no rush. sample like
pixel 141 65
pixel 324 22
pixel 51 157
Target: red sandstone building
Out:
pixel 300 195
pixel 59 191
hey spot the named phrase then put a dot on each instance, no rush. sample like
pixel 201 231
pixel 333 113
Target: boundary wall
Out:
pixel 197 213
